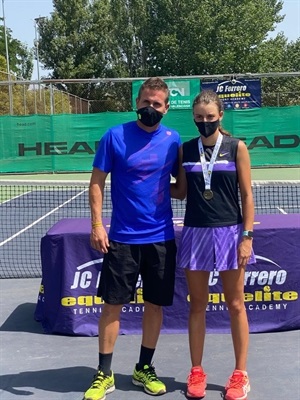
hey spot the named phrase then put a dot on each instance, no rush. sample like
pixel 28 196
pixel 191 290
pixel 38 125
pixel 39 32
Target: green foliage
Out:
pixel 139 38
pixel 277 55
pixel 219 37
pixel 26 100
pixel 75 41
pixel 20 57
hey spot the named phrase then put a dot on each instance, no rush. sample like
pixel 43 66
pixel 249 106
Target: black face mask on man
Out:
pixel 207 129
pixel 149 116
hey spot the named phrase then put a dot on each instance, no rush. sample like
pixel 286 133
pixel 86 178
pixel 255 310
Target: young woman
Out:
pixel 217 235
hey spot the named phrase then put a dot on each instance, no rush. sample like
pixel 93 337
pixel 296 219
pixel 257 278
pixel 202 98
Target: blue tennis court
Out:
pixel 29 208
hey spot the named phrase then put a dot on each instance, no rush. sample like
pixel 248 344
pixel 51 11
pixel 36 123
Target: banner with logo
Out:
pixel 65 143
pixel 236 93
pixel 182 92
pixel 67 301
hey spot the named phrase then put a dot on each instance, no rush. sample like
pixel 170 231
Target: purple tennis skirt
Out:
pixel 208 249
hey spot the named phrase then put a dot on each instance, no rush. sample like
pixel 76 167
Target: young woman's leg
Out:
pixel 197 282
pixel 233 287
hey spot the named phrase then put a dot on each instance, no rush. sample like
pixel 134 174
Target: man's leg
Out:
pixel 103 381
pixel 109 325
pixel 152 321
pixel 158 274
pixel 144 374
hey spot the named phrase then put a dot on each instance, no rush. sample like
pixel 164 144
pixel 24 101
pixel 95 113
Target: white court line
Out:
pixel 16 197
pixel 40 219
pixel 281 210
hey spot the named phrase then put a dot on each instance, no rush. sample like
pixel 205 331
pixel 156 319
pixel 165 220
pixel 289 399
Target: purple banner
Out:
pixel 67 302
pixel 236 93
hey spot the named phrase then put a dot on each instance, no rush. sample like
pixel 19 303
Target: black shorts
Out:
pixel 122 265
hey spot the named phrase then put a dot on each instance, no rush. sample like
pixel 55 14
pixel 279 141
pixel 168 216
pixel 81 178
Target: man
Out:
pixel 140 156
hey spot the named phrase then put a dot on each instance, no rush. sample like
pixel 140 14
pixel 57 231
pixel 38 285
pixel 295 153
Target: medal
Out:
pixel 208 194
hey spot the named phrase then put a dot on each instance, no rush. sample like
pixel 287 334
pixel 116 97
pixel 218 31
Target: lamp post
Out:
pixel 7 63
pixel 37 38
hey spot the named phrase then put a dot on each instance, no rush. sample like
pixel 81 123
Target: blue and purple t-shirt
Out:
pixel 140 165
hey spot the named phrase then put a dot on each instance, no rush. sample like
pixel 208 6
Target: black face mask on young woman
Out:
pixel 149 116
pixel 207 129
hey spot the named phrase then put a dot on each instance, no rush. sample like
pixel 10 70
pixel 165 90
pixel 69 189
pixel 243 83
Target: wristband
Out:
pixel 248 234
pixel 96 224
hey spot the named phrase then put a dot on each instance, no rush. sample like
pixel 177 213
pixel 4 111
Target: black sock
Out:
pixel 105 363
pixel 146 355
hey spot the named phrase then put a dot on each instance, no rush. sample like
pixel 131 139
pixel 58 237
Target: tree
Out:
pixel 130 19
pixel 72 43
pixel 99 38
pixel 76 42
pixel 9 98
pixel 20 57
pixel 139 38
pixel 219 37
pixel 28 100
pixel 278 55
pixel 4 95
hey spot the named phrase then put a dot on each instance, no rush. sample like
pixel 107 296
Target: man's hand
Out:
pixel 99 239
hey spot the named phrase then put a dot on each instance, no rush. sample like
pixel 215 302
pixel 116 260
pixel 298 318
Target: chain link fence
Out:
pixel 74 96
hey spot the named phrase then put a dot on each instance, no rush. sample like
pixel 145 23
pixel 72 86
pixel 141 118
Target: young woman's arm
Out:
pixel 244 177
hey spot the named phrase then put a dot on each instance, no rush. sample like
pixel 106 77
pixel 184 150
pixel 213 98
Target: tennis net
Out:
pixel 29 208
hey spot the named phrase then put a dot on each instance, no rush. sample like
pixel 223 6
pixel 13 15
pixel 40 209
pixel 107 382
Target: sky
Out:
pixel 20 15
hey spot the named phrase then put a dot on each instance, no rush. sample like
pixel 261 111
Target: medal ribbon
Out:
pixel 207 172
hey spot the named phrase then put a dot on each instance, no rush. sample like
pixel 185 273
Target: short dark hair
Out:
pixel 155 83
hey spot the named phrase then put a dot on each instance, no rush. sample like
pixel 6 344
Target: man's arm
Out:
pixel 99 238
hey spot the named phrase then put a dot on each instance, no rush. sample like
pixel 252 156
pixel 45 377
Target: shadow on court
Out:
pixel 62 380
pixel 21 320
pixel 76 379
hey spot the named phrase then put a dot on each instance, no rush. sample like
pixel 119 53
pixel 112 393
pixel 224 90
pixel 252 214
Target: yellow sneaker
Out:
pixel 101 385
pixel 147 378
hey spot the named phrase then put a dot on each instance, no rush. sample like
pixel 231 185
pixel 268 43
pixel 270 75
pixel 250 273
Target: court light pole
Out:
pixel 37 39
pixel 11 111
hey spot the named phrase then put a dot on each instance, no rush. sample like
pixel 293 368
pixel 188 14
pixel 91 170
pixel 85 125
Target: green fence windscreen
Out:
pixel 64 143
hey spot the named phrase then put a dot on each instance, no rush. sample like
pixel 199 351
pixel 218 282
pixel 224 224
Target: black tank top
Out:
pixel 223 209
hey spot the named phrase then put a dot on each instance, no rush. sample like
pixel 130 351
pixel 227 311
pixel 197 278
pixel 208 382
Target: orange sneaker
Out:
pixel 237 386
pixel 196 383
